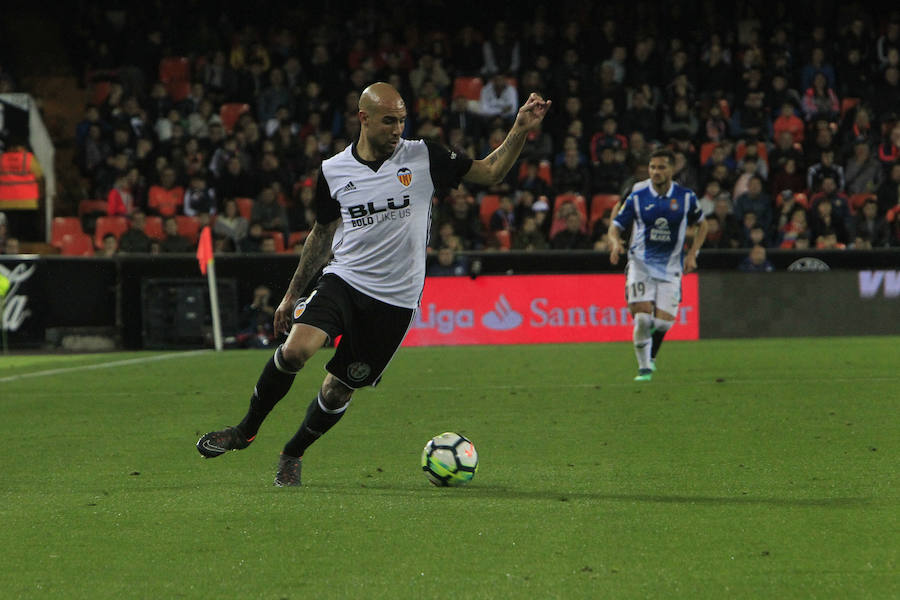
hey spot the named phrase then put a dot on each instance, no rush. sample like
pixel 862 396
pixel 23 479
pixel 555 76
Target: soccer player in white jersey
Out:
pixel 659 212
pixel 373 213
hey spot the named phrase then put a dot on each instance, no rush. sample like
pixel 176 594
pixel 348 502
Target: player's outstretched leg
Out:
pixel 322 414
pixel 273 384
pixel 642 344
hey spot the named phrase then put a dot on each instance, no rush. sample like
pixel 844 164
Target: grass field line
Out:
pixel 106 365
pixel 629 383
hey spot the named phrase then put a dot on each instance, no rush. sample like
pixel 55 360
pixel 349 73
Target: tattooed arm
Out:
pixel 493 168
pixel 316 250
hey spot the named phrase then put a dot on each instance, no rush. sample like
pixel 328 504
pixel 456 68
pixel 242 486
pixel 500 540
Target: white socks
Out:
pixel 643 324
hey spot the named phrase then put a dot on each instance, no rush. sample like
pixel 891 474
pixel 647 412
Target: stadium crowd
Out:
pixel 786 128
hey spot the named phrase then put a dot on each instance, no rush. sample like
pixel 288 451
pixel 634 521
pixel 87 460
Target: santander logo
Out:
pixel 503 317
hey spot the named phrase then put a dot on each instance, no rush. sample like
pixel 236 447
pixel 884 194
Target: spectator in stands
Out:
pixel 199 197
pixel 166 198
pixel 887 95
pixel 119 201
pixel 109 246
pixel 794 233
pixel 756 261
pixel 230 224
pixel 789 122
pixel 680 122
pixel 174 242
pixel 825 221
pixel 269 213
pixel 529 236
pixel 447 264
pixel 572 177
pixel 499 102
pixel 608 174
pixel 889 149
pixel 572 237
pixel 755 200
pixel 716 126
pixel 135 239
pixel 504 218
pixel 826 167
pixel 889 191
pixel 840 204
pixel 870 230
pixel 863 172
pixel 235 181
pixel 820 100
pixel 641 116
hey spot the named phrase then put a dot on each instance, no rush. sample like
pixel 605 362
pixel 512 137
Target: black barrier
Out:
pixel 744 305
pixel 51 291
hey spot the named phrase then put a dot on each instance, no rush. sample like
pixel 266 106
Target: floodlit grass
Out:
pixel 746 469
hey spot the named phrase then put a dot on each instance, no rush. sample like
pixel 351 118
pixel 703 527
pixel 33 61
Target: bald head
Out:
pixel 380 95
pixel 382 116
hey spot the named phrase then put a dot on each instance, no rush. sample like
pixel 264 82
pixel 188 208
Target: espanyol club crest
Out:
pixel 405 176
pixel 673 205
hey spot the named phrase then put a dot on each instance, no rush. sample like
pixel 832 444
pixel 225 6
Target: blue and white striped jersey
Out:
pixel 660 222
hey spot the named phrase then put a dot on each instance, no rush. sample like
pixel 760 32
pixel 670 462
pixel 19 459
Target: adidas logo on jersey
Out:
pixel 349 187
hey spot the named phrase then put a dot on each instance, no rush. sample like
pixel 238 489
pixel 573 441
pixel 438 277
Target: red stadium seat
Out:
pixel 86 207
pixel 100 91
pixel 245 207
pixel 189 227
pixel 468 87
pixel 231 112
pixel 174 68
pixel 114 225
pixel 278 238
pixel 600 205
pixel 178 90
pixel 857 200
pixel 576 199
pixel 543 171
pixel 489 205
pixel 848 104
pixel 153 227
pixel 77 244
pixel 63 226
pixel 706 150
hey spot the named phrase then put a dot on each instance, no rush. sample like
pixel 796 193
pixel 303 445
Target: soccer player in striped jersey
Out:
pixel 659 212
pixel 373 214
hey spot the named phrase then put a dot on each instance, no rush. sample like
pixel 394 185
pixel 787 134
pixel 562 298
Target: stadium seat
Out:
pixel 489 205
pixel 77 244
pixel 245 207
pixel 114 225
pixel 231 112
pixel 87 207
pixel 468 87
pixel 174 68
pixel 891 215
pixel 189 227
pixel 848 104
pixel 153 227
pixel 178 90
pixel 857 200
pixel 761 151
pixel 706 150
pixel 600 205
pixel 100 91
pixel 63 226
pixel 278 238
pixel 544 171
pixel 576 199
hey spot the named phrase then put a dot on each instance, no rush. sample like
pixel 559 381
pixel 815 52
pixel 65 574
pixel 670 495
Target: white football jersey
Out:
pixel 385 212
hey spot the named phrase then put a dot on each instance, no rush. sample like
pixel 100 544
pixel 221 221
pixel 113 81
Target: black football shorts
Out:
pixel 371 331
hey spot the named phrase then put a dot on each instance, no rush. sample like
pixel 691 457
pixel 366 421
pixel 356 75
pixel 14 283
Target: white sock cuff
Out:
pixel 331 411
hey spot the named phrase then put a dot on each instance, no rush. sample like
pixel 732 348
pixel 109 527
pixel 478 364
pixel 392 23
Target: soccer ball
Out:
pixel 449 459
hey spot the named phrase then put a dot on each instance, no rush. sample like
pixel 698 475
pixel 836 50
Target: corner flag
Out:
pixel 205 249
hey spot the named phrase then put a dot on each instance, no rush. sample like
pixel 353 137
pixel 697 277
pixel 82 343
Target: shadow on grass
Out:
pixel 500 493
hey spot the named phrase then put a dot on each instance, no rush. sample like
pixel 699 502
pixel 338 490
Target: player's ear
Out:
pixel 363 117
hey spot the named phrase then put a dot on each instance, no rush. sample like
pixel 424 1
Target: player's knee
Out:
pixel 296 354
pixel 335 395
pixel 643 322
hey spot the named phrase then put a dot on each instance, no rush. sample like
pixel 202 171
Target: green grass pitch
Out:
pixel 745 469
